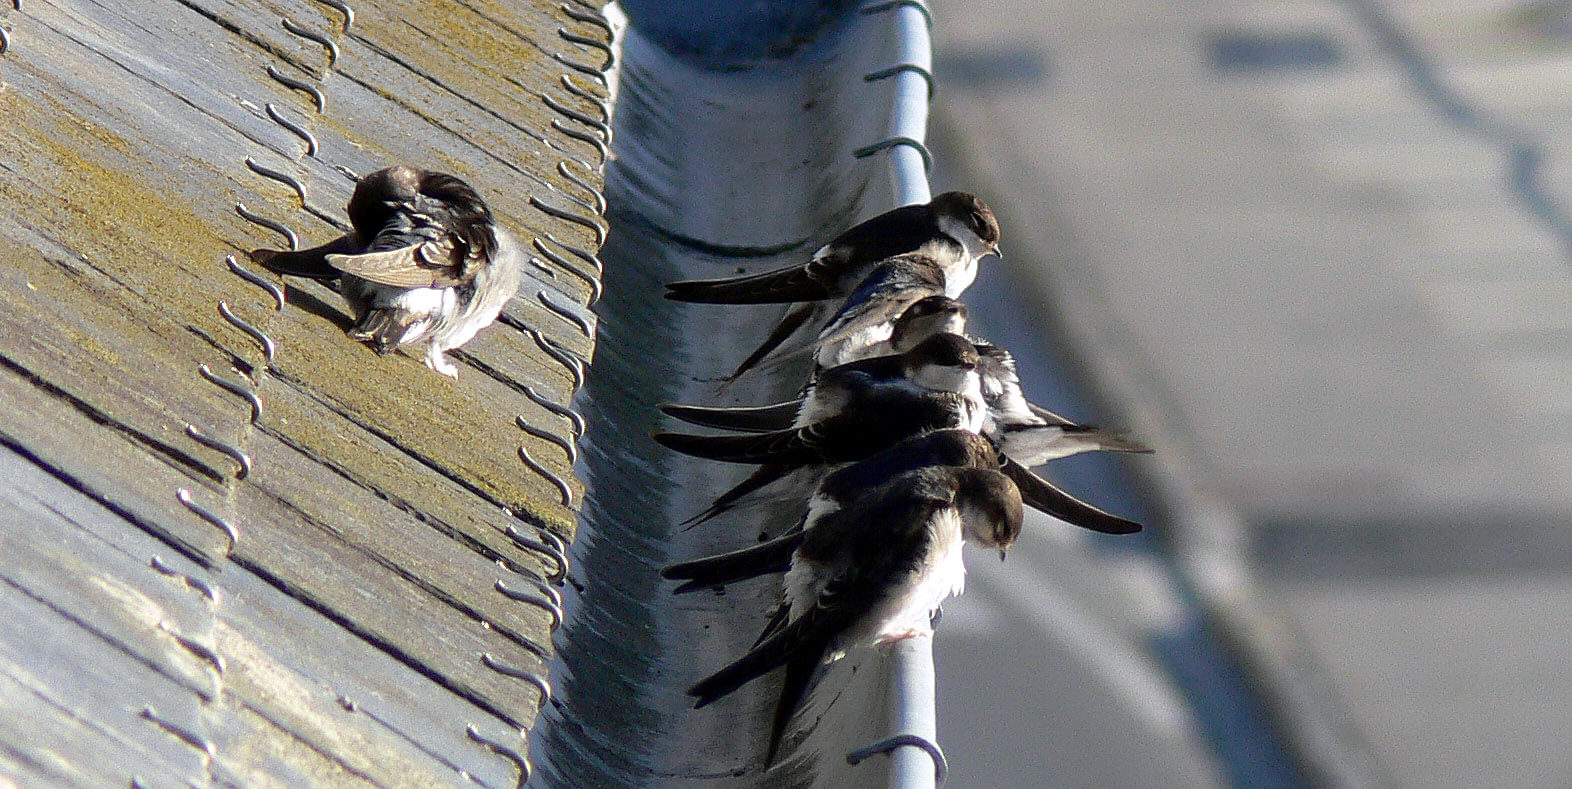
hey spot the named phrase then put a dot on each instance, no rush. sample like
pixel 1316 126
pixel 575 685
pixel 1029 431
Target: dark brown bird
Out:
pixel 425 262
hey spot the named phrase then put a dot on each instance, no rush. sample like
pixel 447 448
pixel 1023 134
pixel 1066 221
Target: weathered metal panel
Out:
pixel 350 576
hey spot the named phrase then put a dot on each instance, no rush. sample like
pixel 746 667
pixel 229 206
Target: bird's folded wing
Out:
pixel 881 308
pixel 844 599
pixel 789 447
pixel 1042 495
pixel 765 475
pixel 428 264
pixel 721 569
pixel 843 437
pixel 306 262
pixel 793 320
pixel 771 287
pixel 756 419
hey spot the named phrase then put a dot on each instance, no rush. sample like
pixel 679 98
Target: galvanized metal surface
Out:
pixel 727 159
pixel 239 547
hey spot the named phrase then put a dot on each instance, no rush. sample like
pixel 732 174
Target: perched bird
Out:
pixel 945 362
pixel 922 319
pixel 952 447
pixel 850 412
pixel 425 262
pixel 866 320
pixel 862 326
pixel 1028 433
pixel 954 230
pixel 871 574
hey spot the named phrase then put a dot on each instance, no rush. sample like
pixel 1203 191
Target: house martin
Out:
pixel 425 262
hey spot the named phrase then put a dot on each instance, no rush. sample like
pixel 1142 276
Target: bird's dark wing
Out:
pixel 765 475
pixel 1042 495
pixel 725 568
pixel 952 447
pixel 757 419
pixel 881 541
pixel 771 287
pixel 791 447
pixel 891 233
pixel 856 433
pixel 863 371
pixel 789 324
pixel 846 597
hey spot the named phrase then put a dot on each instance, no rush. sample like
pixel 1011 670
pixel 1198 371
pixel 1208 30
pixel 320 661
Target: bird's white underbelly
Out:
pixel 957 280
pixel 860 344
pixel 909 611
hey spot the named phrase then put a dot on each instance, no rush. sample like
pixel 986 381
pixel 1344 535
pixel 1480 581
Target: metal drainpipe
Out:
pixel 916 759
pixel 694 198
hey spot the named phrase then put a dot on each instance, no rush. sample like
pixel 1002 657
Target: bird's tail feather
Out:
pixel 758 419
pixel 758 479
pixel 755 560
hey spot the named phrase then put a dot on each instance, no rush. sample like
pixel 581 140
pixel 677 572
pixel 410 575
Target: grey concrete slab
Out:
pixel 1334 293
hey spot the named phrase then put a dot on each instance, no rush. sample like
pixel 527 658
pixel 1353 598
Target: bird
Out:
pixel 952 447
pixel 1027 432
pixel 1030 434
pixel 954 229
pixel 871 574
pixel 866 317
pixel 866 320
pixel 424 262
pixel 850 412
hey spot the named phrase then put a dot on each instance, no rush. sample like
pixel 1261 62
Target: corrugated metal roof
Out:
pixel 356 619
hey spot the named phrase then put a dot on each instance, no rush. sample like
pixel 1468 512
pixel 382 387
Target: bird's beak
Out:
pixel 1001 554
pixel 997 253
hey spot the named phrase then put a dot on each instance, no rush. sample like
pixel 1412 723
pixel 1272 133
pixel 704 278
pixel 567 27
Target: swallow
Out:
pixel 871 574
pixel 1029 433
pixel 866 321
pixel 954 230
pixel 943 362
pixel 424 262
pixel 866 317
pixel 952 447
pixel 918 321
pixel 850 412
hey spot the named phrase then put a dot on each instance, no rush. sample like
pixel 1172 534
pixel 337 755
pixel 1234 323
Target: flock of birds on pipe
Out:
pixel 912 437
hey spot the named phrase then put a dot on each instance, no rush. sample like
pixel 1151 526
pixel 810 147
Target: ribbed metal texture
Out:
pixel 238 547
pixel 728 159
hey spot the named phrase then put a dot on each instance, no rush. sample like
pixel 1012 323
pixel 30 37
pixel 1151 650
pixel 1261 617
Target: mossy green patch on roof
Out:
pixel 377 510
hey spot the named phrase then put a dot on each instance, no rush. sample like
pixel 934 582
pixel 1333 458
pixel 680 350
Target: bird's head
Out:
pixel 943 363
pixel 378 195
pixel 990 507
pixel 969 220
pixel 925 318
